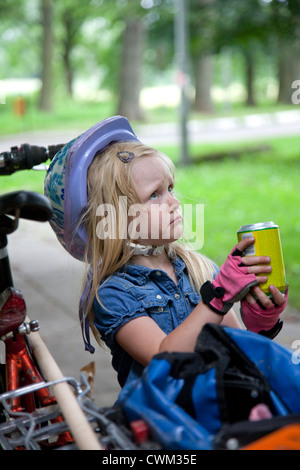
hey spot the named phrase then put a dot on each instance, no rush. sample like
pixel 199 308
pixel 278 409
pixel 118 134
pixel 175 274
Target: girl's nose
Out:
pixel 173 201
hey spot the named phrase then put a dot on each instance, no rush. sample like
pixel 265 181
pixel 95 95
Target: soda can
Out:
pixel 267 243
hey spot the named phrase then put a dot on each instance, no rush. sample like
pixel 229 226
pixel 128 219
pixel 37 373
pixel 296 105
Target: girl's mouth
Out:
pixel 176 219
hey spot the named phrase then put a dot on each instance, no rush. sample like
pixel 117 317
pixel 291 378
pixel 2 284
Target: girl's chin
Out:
pixel 169 236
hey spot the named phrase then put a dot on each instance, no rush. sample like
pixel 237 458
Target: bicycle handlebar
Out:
pixel 26 157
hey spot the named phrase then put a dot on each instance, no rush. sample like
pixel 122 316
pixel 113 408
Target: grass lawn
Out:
pixel 257 187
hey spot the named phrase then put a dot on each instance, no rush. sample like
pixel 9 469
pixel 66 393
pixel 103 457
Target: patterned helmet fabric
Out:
pixel 66 180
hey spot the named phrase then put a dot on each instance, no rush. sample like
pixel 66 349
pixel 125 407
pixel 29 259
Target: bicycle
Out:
pixel 31 417
pixel 20 368
pixel 14 206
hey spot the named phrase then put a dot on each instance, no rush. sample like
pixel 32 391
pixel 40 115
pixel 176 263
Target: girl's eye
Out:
pixel 156 194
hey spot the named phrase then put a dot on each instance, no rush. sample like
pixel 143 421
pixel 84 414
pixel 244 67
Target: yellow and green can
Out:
pixel 267 243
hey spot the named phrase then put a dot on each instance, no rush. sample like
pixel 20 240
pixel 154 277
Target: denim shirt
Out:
pixel 136 291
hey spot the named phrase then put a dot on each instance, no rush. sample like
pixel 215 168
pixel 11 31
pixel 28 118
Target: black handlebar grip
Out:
pixel 33 155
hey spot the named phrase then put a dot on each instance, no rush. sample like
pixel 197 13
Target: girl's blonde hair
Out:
pixel 108 180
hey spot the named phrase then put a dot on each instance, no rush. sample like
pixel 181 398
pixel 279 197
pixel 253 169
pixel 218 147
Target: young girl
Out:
pixel 147 292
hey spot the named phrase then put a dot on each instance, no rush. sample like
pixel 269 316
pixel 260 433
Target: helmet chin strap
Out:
pixel 146 250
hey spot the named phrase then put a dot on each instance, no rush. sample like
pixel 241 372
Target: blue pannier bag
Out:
pixel 201 400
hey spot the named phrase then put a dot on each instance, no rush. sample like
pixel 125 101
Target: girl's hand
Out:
pixel 258 296
pixel 235 278
pixel 260 313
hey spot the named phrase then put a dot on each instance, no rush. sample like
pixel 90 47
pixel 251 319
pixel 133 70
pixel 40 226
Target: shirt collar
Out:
pixel 139 274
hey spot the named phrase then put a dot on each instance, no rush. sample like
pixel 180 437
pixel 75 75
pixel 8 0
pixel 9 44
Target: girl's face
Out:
pixel 158 220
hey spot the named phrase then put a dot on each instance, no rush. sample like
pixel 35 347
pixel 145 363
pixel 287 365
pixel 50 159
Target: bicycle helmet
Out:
pixel 66 180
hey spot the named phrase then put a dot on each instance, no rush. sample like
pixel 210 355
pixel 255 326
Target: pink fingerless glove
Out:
pixel 263 320
pixel 231 284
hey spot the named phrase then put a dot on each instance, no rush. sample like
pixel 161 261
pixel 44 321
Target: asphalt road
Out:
pixel 227 129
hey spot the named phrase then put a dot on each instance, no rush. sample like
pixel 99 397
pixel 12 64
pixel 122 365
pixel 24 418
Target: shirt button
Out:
pixel 158 273
pixel 158 296
pixel 177 296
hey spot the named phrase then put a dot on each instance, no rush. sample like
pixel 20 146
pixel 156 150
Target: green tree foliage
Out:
pixel 90 43
pixel 19 39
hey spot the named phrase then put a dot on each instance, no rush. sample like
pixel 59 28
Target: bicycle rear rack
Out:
pixel 41 429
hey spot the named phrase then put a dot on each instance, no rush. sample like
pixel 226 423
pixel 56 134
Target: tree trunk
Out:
pixel 250 100
pixel 67 48
pixel 70 32
pixel 204 78
pixel 47 55
pixel 68 70
pixel 286 70
pixel 131 70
